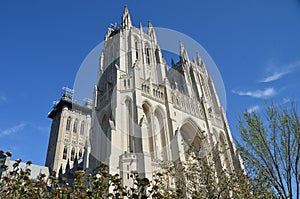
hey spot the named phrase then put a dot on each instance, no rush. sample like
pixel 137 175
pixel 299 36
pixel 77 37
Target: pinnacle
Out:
pixel 126 21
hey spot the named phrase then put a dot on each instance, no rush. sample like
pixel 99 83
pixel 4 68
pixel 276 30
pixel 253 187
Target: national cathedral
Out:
pixel 143 113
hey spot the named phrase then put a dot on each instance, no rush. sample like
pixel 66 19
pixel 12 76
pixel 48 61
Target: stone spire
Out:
pixel 141 27
pixel 126 21
pixel 199 60
pixel 183 54
pixel 151 31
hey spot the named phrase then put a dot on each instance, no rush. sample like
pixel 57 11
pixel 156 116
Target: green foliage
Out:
pixel 194 179
pixel 17 184
pixel 199 177
pixel 270 149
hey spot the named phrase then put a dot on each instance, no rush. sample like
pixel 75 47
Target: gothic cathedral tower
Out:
pixel 144 110
pixel 69 132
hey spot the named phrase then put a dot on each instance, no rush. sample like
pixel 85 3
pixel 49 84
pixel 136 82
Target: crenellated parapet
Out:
pixel 153 91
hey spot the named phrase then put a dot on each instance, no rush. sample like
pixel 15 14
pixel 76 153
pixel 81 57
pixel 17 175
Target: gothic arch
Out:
pixel 128 116
pixel 194 125
pixel 145 101
pixel 65 152
pixel 160 133
pixel 126 98
pixel 73 154
pixel 82 128
pixel 148 53
pixel 68 125
pixel 159 107
pixel 192 135
pixel 136 46
pixel 75 126
pixel 157 56
pixel 147 130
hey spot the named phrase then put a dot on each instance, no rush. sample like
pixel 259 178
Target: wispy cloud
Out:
pixel 253 109
pixel 12 129
pixel 40 128
pixel 262 94
pixel 275 76
pixel 3 99
pixel 279 73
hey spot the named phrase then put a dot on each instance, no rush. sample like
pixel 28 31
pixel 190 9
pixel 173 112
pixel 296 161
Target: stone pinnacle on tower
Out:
pixel 151 31
pixel 183 53
pixel 126 21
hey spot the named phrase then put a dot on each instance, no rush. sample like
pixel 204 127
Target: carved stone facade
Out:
pixel 69 132
pixel 144 110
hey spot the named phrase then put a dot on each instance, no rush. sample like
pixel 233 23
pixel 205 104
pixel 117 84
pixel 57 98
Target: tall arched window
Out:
pixel 147 130
pixel 68 126
pixel 129 125
pixel 82 128
pixel 75 126
pixel 65 152
pixel 136 49
pixel 157 56
pixel 73 154
pixel 160 133
pixel 147 56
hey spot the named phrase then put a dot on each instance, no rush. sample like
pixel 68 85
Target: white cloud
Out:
pixel 262 94
pixel 13 129
pixel 23 125
pixel 279 73
pixel 253 109
pixel 275 76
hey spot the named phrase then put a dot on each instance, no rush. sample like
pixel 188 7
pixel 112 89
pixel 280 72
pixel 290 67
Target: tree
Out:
pixel 200 177
pixel 17 184
pixel 270 149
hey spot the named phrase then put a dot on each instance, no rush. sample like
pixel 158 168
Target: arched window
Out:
pixel 147 130
pixel 80 154
pixel 157 56
pixel 128 120
pixel 82 128
pixel 65 152
pixel 136 49
pixel 147 56
pixel 73 154
pixel 75 126
pixel 68 124
pixel 160 134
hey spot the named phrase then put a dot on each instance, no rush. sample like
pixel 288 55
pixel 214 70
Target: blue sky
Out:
pixel 255 45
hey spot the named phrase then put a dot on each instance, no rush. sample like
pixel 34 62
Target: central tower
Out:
pixel 146 113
